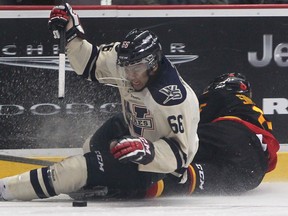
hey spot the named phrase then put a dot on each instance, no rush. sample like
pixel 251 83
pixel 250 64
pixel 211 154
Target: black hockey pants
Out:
pixel 104 170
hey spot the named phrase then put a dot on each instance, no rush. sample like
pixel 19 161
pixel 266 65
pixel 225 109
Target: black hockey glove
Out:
pixel 63 17
pixel 135 149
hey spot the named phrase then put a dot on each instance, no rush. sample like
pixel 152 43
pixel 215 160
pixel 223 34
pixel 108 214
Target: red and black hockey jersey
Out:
pixel 224 105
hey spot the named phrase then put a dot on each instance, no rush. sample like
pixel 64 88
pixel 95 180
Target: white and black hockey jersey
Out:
pixel 165 112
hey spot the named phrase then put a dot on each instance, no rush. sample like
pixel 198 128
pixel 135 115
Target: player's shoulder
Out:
pixel 109 47
pixel 168 89
pixel 107 56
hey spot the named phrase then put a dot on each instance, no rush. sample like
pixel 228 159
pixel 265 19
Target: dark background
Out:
pixel 222 45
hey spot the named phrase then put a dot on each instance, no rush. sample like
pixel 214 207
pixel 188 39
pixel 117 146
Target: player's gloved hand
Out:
pixel 135 149
pixel 58 20
pixel 63 17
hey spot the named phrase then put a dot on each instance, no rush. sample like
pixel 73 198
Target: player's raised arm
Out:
pixel 62 16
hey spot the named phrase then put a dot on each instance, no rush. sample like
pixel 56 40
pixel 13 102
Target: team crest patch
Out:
pixel 172 92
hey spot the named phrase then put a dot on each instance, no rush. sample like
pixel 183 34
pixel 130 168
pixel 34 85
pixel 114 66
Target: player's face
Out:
pixel 137 75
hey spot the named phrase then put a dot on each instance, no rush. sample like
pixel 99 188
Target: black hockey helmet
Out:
pixel 235 82
pixel 140 45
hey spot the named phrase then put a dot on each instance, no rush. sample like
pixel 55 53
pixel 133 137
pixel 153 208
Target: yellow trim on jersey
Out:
pixel 155 190
pixel 201 106
pixel 160 188
pixel 193 179
pixel 230 117
pixel 269 124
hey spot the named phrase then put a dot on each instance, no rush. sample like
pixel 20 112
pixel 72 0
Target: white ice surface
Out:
pixel 269 199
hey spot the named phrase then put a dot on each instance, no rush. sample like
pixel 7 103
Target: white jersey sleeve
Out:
pixel 79 52
pixel 94 63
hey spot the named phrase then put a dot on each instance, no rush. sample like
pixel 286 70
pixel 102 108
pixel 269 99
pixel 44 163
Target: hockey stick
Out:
pixel 25 160
pixel 61 72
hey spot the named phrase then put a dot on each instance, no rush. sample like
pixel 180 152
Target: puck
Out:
pixel 79 203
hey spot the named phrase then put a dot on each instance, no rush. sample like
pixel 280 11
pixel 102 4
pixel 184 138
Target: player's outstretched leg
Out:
pixel 63 177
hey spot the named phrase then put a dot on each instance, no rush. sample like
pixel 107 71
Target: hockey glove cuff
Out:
pixel 76 29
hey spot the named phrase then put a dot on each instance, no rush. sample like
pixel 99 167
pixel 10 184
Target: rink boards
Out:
pixel 8 168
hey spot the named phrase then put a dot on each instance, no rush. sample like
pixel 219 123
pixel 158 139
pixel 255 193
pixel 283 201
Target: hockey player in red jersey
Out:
pixel 155 135
pixel 236 143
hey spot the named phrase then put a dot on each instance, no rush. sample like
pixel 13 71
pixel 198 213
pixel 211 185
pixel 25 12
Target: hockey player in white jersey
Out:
pixel 155 135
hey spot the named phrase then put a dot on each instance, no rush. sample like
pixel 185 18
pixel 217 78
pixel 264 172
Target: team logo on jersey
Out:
pixel 172 92
pixel 139 117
